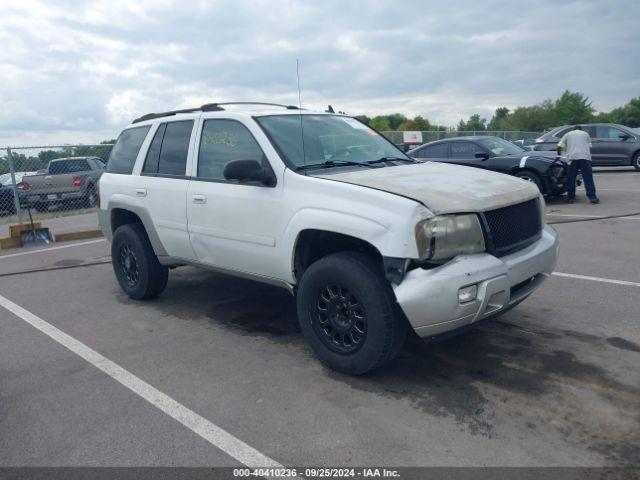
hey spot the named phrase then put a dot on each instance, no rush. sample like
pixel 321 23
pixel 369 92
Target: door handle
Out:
pixel 141 192
pixel 198 198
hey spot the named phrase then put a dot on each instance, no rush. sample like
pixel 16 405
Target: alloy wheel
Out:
pixel 341 321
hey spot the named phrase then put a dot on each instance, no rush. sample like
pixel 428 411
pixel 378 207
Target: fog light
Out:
pixel 467 294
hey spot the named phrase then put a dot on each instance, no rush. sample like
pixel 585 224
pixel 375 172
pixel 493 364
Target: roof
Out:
pixel 272 108
pixel 466 137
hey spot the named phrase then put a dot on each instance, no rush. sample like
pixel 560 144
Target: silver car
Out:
pixel 612 145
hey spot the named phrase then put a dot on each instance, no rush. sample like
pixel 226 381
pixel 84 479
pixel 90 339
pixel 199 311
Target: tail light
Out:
pixel 76 181
pixel 23 185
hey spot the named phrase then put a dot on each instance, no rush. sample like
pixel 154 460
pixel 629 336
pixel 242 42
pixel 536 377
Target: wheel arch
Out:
pixel 313 244
pixel 120 213
pixel 542 176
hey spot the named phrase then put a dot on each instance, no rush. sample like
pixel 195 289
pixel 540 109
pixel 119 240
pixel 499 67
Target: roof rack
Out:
pixel 209 107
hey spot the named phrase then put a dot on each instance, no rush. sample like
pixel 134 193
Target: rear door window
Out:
pixel 153 154
pixel 124 153
pixel 175 147
pixel 434 151
pixel 560 133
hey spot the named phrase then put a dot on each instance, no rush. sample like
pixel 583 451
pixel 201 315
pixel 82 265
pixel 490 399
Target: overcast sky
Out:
pixel 75 71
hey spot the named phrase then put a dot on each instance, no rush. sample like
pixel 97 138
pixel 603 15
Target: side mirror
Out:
pixel 482 155
pixel 624 137
pixel 248 171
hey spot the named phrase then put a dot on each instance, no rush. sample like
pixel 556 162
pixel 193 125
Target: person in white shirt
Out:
pixel 577 144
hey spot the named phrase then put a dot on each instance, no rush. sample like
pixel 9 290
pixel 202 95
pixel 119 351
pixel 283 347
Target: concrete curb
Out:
pixel 80 235
pixel 14 241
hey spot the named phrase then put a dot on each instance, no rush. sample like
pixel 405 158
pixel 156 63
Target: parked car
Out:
pixel 612 145
pixel 71 181
pixel 5 179
pixel 7 201
pixel 544 169
pixel 370 241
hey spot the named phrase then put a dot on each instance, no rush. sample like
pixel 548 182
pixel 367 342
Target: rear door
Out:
pixel 163 182
pixel 607 146
pixel 436 153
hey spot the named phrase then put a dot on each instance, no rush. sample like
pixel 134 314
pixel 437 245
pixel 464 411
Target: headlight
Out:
pixel 440 238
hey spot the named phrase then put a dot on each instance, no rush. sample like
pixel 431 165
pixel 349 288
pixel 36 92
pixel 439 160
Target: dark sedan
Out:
pixel 611 144
pixel 493 153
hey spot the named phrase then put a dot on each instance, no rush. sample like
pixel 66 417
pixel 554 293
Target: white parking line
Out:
pixel 29 252
pixel 597 279
pixel 213 434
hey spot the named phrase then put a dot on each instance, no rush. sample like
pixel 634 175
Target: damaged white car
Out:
pixel 370 241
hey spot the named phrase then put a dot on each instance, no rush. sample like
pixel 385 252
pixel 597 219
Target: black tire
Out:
pixel 41 207
pixel 532 177
pixel 135 264
pixel 91 197
pixel 636 161
pixel 360 292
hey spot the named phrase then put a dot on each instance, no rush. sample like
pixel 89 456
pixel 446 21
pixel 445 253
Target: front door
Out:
pixel 608 148
pixel 464 153
pixel 232 225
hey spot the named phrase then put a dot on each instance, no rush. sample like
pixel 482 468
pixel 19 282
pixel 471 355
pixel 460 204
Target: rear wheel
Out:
pixel 348 313
pixel 135 264
pixel 636 161
pixel 531 177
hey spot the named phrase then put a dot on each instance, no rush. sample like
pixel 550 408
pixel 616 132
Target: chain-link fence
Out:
pixel 55 185
pixel 521 138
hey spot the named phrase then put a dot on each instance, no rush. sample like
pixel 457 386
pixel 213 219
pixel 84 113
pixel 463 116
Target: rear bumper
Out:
pixel 429 298
pixel 56 197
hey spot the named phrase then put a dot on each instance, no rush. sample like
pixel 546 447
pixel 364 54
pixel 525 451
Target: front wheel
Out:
pixel 135 264
pixel 531 177
pixel 636 161
pixel 348 314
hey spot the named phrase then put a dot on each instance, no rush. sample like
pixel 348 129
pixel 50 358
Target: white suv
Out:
pixel 370 241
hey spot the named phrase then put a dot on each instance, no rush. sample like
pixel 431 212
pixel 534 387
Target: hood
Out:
pixel 443 188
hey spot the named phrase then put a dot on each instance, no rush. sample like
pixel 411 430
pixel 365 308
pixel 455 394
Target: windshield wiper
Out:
pixel 391 159
pixel 332 163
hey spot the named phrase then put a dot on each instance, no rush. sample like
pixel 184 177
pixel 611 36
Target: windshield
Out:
pixel 500 147
pixel 328 139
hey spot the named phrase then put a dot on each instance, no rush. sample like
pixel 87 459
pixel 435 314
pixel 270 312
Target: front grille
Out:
pixel 514 227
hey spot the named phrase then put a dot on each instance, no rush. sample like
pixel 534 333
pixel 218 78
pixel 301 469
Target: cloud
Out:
pixel 85 70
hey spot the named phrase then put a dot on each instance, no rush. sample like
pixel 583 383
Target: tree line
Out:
pixel 570 108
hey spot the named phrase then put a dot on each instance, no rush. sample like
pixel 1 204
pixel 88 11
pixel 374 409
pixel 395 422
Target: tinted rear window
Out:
pixel 175 146
pixel 434 151
pixel 153 154
pixel 124 153
pixel 69 166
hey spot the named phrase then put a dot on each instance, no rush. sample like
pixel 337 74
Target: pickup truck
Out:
pixel 370 241
pixel 68 181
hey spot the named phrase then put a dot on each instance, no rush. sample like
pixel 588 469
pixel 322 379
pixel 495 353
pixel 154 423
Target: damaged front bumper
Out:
pixel 430 298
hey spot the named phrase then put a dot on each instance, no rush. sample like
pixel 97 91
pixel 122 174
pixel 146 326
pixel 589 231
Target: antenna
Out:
pixel 304 156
